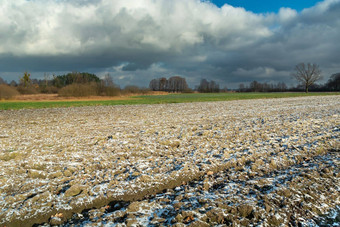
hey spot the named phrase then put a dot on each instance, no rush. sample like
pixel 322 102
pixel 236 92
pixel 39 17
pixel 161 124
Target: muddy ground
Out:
pixel 253 162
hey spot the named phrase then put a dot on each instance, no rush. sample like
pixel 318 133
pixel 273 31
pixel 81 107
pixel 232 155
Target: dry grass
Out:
pixel 56 97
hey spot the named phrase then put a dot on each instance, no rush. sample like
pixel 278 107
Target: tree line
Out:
pixel 256 86
pixel 76 84
pixel 87 84
pixel 206 86
pixel 173 84
pixel 306 74
pixel 179 84
pixel 332 85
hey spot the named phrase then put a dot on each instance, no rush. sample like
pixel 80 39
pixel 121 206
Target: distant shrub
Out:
pixel 27 90
pixel 48 89
pixel 79 90
pixel 108 89
pixel 111 91
pixel 131 89
pixel 7 92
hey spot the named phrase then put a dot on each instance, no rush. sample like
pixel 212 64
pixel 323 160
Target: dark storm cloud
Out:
pixel 136 41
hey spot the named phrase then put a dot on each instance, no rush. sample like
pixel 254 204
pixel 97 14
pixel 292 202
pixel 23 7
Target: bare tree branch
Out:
pixel 307 75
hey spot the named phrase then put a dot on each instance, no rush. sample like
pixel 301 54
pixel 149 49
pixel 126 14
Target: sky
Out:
pixel 267 6
pixel 135 41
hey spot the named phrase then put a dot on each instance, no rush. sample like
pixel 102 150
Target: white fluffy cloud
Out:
pixel 190 38
pixel 287 15
pixel 40 27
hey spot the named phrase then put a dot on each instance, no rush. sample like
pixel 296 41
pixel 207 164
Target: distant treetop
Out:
pixel 174 84
pixel 74 77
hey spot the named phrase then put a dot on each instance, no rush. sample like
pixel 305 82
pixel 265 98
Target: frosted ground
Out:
pixel 252 162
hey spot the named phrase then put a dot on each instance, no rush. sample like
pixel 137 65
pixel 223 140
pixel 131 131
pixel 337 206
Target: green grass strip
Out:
pixel 156 99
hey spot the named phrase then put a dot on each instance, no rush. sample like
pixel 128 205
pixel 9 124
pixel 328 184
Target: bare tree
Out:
pixel 204 86
pixel 46 77
pixel 2 81
pixel 255 86
pixel 108 81
pixel 281 86
pixel 333 83
pixel 154 85
pixel 177 84
pixel 307 74
pixel 208 87
pixel 241 88
pixel 174 84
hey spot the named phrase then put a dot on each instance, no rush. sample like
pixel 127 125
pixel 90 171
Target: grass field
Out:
pixel 153 99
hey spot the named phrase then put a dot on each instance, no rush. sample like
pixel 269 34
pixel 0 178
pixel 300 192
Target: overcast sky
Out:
pixel 135 41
